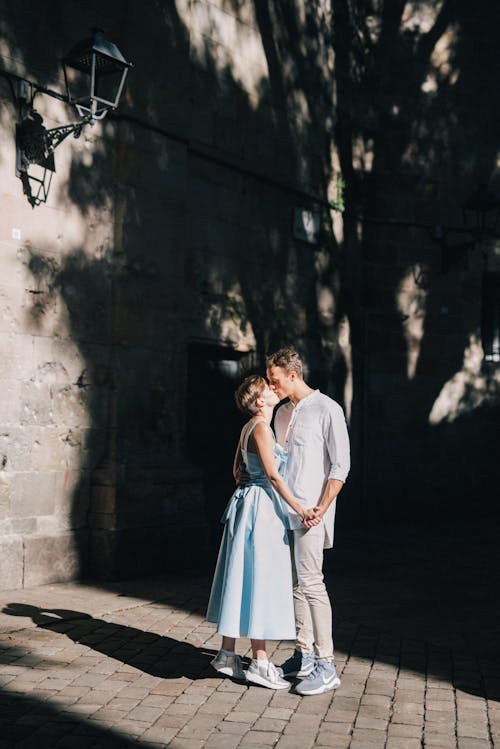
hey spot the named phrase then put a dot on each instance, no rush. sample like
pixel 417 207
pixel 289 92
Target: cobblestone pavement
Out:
pixel 122 665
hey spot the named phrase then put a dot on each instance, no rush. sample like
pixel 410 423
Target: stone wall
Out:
pixel 164 265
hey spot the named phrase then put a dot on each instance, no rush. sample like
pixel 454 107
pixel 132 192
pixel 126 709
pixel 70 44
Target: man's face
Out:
pixel 281 381
pixel 269 397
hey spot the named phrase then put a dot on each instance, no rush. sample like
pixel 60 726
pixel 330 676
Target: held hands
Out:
pixel 312 516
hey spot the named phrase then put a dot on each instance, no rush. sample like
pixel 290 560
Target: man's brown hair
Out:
pixel 286 358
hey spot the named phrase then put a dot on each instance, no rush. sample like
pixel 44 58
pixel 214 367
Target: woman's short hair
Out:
pixel 287 359
pixel 250 389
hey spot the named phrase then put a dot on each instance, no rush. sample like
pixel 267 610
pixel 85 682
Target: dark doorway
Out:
pixel 214 373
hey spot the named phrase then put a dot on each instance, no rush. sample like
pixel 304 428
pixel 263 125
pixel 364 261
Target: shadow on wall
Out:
pixel 415 135
pixel 176 257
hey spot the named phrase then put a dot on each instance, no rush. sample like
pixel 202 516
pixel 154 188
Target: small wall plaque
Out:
pixel 306 225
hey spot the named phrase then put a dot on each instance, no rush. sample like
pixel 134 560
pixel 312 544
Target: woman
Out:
pixel 252 588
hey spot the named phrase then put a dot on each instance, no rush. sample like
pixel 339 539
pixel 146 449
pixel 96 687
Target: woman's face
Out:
pixel 269 397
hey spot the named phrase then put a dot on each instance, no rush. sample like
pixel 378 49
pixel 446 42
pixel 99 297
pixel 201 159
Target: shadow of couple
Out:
pixel 155 654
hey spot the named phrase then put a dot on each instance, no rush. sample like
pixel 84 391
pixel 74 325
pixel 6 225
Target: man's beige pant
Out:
pixel 313 611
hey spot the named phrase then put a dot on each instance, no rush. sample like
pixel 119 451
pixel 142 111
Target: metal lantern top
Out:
pixel 95 72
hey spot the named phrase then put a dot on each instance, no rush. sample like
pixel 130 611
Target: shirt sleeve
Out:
pixel 281 419
pixel 337 442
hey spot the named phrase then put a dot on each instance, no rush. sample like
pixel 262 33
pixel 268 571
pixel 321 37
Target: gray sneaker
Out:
pixel 266 674
pixel 228 664
pixel 321 679
pixel 299 664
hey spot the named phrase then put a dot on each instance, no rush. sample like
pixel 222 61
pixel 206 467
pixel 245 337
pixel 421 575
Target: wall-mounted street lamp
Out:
pixel 94 73
pixel 481 218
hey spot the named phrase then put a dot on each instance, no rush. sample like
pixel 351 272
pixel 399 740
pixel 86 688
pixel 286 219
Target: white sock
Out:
pixel 227 652
pixel 261 662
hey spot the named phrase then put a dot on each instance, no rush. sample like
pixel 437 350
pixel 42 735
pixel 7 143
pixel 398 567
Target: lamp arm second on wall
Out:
pixel 56 135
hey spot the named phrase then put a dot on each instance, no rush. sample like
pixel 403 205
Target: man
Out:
pixel 311 426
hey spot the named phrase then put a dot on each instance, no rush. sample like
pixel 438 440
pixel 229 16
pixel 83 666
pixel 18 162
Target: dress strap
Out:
pixel 248 432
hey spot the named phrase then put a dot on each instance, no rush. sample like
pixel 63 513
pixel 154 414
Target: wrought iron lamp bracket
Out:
pixel 56 135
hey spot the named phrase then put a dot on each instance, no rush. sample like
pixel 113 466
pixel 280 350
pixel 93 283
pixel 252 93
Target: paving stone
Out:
pixel 376 724
pixel 295 742
pixel 282 713
pixel 376 699
pixel 336 742
pixel 260 738
pixel 373 711
pixel 399 716
pixel 188 744
pixel 269 724
pixel 96 691
pixel 222 741
pixel 400 742
pixel 443 742
pixel 473 730
pixel 404 730
pixel 227 726
pixel 240 716
pixel 201 726
pixel 145 714
pixel 331 731
pixel 172 721
pixel 364 740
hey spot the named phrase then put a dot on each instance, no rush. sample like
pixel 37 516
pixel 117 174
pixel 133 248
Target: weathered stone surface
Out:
pixel 33 494
pixel 52 559
pixel 11 562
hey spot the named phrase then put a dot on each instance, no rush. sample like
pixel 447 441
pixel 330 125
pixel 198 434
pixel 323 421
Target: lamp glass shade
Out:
pixel 95 72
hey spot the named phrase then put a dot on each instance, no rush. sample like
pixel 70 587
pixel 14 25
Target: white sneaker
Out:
pixel 266 674
pixel 228 664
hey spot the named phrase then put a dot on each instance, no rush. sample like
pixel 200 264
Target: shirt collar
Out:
pixel 303 400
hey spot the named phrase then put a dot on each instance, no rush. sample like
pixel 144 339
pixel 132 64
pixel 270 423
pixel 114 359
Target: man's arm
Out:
pixel 332 490
pixel 337 445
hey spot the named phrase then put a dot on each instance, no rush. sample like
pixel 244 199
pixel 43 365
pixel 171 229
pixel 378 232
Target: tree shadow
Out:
pixel 426 592
pixel 197 236
pixel 29 722
pixel 151 653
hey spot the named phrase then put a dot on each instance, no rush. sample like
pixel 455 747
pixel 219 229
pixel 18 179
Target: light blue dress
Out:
pixel 252 588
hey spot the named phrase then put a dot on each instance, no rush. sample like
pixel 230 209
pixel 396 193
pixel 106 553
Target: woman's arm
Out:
pixel 264 444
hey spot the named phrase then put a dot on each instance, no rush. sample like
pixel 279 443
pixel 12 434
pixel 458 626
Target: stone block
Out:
pixel 15 272
pixel 17 356
pixel 28 311
pixel 32 494
pixel 72 497
pixel 72 406
pixel 15 448
pixel 52 559
pixel 11 562
pixel 10 402
pixel 5 494
pixel 103 500
pixel 23 526
pixel 36 404
pixel 54 448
